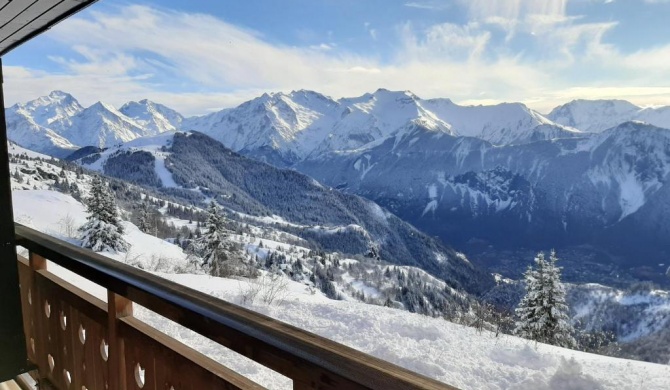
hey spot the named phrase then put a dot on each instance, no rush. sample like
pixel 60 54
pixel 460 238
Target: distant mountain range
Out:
pixel 589 172
pixel 289 127
pixel 58 125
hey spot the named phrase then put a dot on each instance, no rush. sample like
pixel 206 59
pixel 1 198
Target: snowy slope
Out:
pixel 152 144
pixel 155 118
pixel 57 124
pixel 274 122
pixel 433 347
pixel 54 110
pixel 16 150
pixel 46 211
pixel 102 125
pixel 282 128
pixel 285 128
pixel 24 131
pixel 609 188
pixel 599 115
pixel 502 124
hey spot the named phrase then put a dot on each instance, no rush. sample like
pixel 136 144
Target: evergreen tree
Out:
pixel 145 220
pixel 543 313
pixel 102 231
pixel 215 248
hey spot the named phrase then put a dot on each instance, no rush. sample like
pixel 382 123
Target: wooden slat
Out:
pixel 27 296
pixel 117 307
pixel 83 361
pixel 168 362
pixel 37 310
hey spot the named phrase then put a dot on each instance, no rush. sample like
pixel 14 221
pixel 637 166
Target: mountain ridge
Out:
pixel 282 127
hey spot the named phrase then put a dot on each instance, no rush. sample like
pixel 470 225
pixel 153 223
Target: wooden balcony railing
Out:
pixel 79 342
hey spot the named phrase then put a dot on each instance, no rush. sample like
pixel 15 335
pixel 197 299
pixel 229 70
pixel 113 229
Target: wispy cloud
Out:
pixel 428 5
pixel 197 63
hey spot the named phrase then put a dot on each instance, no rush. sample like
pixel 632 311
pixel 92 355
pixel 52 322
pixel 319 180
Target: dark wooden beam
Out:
pixel 13 355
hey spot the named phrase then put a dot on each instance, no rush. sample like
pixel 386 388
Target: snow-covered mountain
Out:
pixel 600 115
pixel 481 169
pixel 36 124
pixel 54 110
pixel 24 131
pixel 154 117
pixel 501 124
pixel 57 124
pixel 608 189
pixel 285 128
pixel 102 125
pixel 281 128
pixel 272 126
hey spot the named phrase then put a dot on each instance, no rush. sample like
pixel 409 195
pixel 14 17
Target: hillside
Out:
pixel 433 347
pixel 607 190
pixel 304 252
pixel 193 167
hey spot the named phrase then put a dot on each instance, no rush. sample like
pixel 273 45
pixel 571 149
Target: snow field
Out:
pixel 451 353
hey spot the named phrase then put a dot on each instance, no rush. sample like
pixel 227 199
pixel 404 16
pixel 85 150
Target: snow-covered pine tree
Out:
pixel 561 331
pixel 102 231
pixel 543 313
pixel 144 223
pixel 527 312
pixel 215 248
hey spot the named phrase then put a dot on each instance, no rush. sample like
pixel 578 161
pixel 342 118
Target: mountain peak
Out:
pixel 58 94
pixel 155 118
pixel 142 105
pixel 55 98
pixel 594 115
pixel 387 92
pixel 101 106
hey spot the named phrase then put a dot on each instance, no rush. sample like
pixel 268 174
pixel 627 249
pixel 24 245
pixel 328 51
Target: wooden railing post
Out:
pixel 37 263
pixel 117 307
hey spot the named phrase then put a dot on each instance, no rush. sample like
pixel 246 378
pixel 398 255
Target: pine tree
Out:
pixel 543 313
pixel 215 248
pixel 144 223
pixel 102 231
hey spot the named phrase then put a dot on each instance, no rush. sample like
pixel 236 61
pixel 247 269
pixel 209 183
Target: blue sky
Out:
pixel 203 55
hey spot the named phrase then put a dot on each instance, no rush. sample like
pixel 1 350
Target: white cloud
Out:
pixel 432 5
pixel 514 9
pixel 137 52
pixel 445 41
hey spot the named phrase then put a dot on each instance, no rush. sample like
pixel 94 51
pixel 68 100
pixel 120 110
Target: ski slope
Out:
pixel 451 353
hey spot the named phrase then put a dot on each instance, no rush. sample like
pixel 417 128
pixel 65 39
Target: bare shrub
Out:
pixel 271 287
pixel 67 226
pixel 133 259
